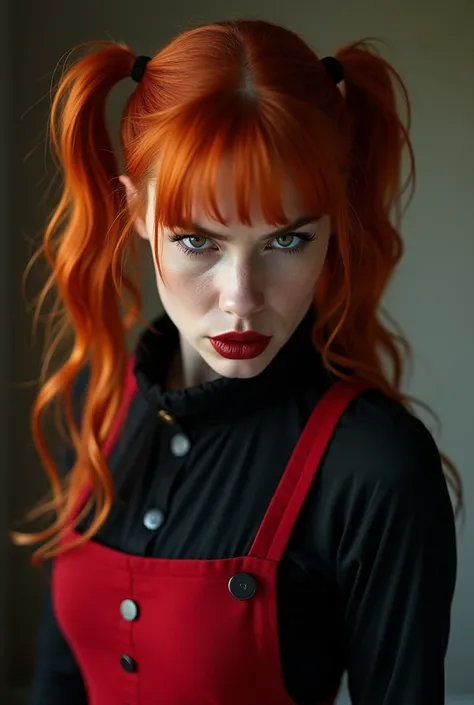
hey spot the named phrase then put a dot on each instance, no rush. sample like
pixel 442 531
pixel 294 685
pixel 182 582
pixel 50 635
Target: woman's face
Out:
pixel 237 279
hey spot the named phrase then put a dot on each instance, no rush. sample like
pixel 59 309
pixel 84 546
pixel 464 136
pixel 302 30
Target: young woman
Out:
pixel 248 508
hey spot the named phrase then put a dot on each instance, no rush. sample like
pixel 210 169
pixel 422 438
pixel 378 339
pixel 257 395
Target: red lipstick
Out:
pixel 240 346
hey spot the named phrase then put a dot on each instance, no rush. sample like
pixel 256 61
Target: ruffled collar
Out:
pixel 224 398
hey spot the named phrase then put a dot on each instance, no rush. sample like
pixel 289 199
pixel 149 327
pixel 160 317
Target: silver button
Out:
pixel 129 610
pixel 180 445
pixel 153 519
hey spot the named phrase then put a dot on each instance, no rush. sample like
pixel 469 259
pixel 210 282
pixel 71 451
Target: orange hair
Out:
pixel 256 91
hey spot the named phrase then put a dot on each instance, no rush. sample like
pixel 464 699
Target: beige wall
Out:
pixel 431 43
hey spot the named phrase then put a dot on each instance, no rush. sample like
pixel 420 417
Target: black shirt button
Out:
pixel 128 664
pixel 242 586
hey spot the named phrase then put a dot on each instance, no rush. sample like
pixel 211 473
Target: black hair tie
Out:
pixel 139 66
pixel 334 68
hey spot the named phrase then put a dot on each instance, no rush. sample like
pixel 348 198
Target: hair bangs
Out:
pixel 265 148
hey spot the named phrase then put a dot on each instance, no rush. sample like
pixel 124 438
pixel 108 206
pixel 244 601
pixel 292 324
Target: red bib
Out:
pixel 153 631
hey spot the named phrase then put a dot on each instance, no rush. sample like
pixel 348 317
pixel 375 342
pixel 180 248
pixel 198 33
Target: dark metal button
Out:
pixel 242 586
pixel 129 610
pixel 128 664
pixel 153 519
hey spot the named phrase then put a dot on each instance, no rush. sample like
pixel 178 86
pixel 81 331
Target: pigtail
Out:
pixel 352 336
pixel 369 244
pixel 379 115
pixel 84 245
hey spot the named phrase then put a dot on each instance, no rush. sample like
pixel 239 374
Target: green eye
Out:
pixel 196 242
pixel 285 240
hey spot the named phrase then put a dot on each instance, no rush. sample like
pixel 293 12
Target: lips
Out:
pixel 249 336
pixel 240 346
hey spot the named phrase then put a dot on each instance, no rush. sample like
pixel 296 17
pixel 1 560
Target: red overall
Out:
pixel 153 631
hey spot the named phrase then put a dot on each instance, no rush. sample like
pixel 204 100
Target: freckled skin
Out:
pixel 245 282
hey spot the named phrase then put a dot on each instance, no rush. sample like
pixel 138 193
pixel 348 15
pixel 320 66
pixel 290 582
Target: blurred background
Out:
pixel 431 43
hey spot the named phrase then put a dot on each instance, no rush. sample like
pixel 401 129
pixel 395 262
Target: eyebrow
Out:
pixel 298 223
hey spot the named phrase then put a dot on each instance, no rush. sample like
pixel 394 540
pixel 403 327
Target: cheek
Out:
pixel 293 281
pixel 186 288
pixel 292 291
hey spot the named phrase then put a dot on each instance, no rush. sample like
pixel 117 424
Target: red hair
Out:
pixel 256 91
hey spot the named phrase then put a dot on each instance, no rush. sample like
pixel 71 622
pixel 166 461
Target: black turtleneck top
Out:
pixel 366 583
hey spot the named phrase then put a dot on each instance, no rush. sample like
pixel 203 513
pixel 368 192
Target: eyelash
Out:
pixel 303 237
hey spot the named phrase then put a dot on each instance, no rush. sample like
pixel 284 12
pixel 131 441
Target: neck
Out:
pixel 188 369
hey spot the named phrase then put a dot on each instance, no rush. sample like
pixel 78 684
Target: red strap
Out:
pixel 284 509
pixel 129 393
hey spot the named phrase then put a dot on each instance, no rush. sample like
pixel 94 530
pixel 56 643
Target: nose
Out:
pixel 241 290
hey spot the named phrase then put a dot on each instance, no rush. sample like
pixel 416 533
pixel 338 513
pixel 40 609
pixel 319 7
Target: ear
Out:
pixel 131 192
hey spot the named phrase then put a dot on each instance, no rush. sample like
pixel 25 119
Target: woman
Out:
pixel 250 509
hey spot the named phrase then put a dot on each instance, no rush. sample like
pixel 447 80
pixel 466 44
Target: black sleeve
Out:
pixel 396 565
pixel 57 679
